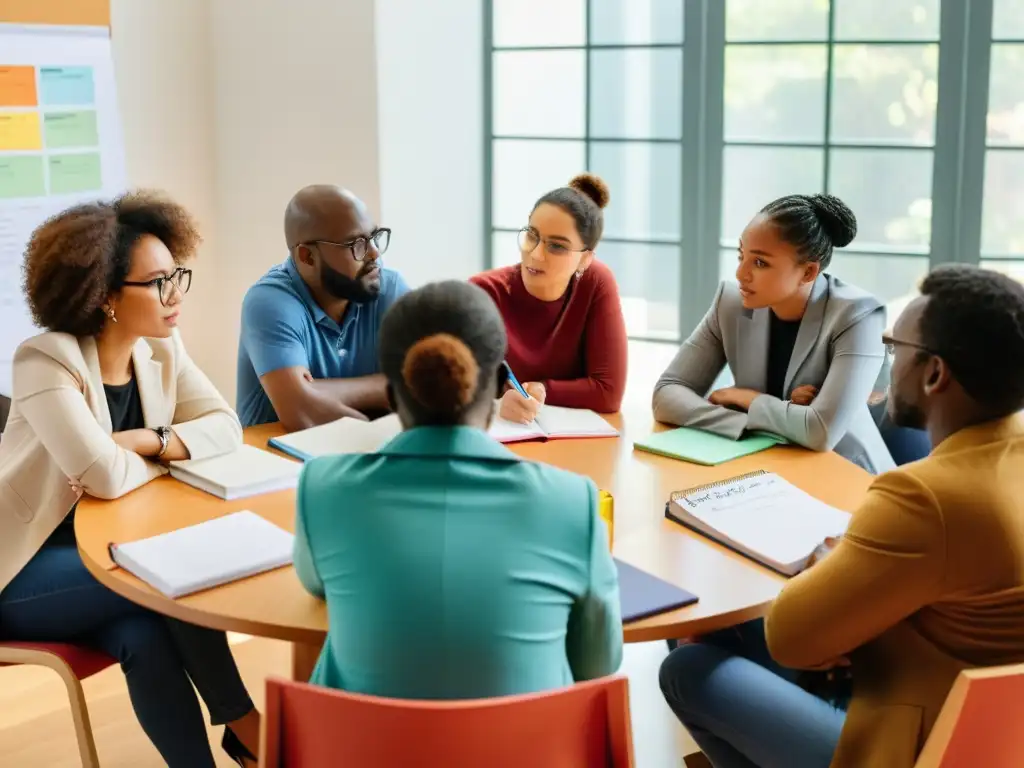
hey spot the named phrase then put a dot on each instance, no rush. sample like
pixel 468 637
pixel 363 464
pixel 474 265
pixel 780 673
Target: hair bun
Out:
pixel 441 373
pixel 836 218
pixel 592 186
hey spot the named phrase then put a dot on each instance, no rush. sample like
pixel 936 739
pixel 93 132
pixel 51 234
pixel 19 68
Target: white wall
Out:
pixel 165 94
pixel 233 105
pixel 429 67
pixel 295 103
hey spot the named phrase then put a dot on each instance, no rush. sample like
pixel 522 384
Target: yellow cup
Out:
pixel 606 509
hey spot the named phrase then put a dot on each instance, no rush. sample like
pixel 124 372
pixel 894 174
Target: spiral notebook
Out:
pixel 760 515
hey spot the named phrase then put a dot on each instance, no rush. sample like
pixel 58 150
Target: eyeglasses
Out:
pixel 180 279
pixel 529 239
pixel 381 239
pixel 891 344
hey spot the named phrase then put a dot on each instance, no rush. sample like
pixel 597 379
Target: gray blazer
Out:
pixel 838 350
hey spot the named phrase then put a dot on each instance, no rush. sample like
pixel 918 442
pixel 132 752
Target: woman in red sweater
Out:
pixel 563 317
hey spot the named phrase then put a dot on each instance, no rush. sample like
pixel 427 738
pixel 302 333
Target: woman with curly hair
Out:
pixel 102 401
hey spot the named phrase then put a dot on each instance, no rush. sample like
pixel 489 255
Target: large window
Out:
pixel 698 112
pixel 1002 230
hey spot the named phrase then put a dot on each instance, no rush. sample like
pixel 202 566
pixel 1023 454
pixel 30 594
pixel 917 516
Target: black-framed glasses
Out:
pixel 529 238
pixel 891 344
pixel 180 278
pixel 381 239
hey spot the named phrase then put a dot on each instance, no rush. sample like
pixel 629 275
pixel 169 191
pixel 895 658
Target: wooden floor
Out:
pixel 36 729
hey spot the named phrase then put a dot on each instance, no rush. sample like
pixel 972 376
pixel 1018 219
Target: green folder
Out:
pixel 699 447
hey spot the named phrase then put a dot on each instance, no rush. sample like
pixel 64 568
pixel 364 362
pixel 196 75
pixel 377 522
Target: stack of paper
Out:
pixel 206 555
pixel 762 516
pixel 236 475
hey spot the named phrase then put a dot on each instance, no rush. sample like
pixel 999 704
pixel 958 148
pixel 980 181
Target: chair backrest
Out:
pixel 980 722
pixel 583 725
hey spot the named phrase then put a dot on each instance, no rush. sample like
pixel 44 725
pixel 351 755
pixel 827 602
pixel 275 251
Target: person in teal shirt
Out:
pixel 452 568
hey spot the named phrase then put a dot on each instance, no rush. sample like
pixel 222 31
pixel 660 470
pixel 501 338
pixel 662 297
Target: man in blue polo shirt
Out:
pixel 308 348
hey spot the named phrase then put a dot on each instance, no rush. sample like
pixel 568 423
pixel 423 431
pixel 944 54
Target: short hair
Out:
pixel 440 349
pixel 584 199
pixel 77 258
pixel 974 321
pixel 813 224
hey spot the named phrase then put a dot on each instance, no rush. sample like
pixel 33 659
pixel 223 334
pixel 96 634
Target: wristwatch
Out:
pixel 164 433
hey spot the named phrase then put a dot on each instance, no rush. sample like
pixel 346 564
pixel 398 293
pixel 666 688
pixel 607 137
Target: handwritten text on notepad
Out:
pixel 767 514
pixel 754 486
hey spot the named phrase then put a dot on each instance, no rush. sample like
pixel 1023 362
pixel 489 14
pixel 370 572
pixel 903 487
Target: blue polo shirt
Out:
pixel 283 327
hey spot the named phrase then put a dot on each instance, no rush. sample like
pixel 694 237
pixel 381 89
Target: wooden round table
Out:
pixel 731 588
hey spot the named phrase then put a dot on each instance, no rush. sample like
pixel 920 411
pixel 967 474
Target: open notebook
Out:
pixel 355 436
pixel 554 423
pixel 206 555
pixel 700 447
pixel 247 471
pixel 762 516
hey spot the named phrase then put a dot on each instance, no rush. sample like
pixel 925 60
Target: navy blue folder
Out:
pixel 642 595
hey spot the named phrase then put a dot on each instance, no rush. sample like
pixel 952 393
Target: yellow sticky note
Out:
pixel 606 509
pixel 20 130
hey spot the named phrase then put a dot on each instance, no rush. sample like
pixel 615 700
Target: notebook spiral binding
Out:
pixel 717 484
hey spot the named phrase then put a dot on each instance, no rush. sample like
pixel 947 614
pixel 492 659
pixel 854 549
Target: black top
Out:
pixel 125 406
pixel 781 340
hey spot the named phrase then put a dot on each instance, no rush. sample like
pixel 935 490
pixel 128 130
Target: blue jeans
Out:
pixel 55 599
pixel 743 709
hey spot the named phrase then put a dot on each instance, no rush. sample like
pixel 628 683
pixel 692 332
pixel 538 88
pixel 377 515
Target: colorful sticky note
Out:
pixel 66 86
pixel 75 173
pixel 18 87
pixel 22 176
pixel 66 130
pixel 20 130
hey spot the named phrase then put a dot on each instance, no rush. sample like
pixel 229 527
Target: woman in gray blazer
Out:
pixel 803 347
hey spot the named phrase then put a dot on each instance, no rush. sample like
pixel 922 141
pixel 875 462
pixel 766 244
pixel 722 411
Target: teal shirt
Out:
pixel 453 569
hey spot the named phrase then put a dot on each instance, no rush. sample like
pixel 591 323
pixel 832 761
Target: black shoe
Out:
pixel 235 749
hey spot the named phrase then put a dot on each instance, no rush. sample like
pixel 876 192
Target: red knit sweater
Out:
pixel 575 346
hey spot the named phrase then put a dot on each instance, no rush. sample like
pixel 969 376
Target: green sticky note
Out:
pixel 699 447
pixel 68 130
pixel 75 173
pixel 22 176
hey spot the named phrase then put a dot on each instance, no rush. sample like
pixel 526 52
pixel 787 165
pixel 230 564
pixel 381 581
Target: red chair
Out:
pixel 980 722
pixel 73 663
pixel 582 726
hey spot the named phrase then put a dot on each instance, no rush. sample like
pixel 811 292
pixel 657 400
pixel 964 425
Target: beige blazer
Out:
pixel 59 430
pixel 927 581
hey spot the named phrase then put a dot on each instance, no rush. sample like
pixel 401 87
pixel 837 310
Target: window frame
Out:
pixel 958 148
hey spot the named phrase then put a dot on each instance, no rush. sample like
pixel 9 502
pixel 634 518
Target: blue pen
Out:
pixel 514 381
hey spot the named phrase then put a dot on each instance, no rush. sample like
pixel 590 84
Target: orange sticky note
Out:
pixel 20 130
pixel 18 87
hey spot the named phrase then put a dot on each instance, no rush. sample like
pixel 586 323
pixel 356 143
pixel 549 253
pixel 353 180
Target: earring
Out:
pixel 579 273
pixel 110 314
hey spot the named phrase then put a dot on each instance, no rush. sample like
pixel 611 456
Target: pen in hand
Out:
pixel 515 382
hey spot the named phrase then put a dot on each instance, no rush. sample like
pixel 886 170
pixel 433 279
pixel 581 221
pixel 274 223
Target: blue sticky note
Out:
pixel 65 86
